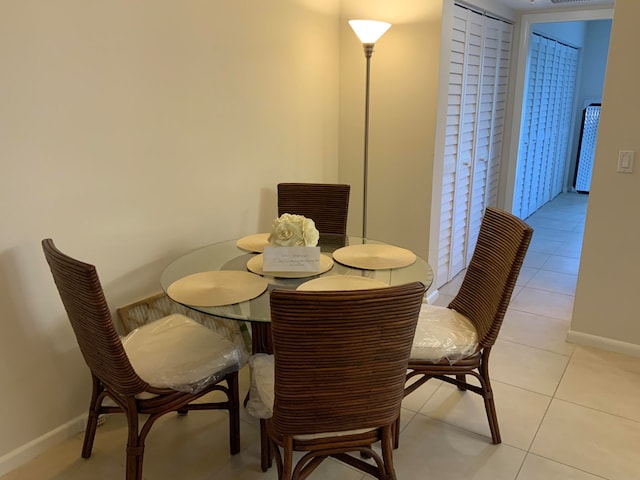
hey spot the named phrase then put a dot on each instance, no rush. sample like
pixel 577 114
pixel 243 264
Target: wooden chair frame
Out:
pixel 340 365
pixel 111 372
pixel 483 298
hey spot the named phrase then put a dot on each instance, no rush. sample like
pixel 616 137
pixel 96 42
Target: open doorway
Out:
pixel 560 72
pixel 566 63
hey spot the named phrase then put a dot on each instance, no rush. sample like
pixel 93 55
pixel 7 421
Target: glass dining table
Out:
pixel 231 256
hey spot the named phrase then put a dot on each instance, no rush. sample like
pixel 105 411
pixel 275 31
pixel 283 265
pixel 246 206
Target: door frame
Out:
pixel 515 97
pixel 517 88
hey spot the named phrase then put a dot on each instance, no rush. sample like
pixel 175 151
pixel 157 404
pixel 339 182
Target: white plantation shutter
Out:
pixel 478 77
pixel 496 53
pixel 568 74
pixel 544 141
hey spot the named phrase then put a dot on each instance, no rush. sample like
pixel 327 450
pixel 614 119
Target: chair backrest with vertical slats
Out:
pixel 341 357
pixel 492 273
pixel 325 203
pixel 84 301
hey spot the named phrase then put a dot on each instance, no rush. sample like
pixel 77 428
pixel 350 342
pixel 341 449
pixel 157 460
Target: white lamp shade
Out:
pixel 369 31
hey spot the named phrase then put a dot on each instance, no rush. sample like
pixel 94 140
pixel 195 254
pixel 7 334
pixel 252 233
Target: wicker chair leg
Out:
pixel 461 378
pixel 92 419
pixel 135 446
pixel 487 394
pixel 134 463
pixel 396 433
pixel 234 412
pixel 490 407
pixel 266 454
pixel 387 442
pixel 135 456
pixel 287 460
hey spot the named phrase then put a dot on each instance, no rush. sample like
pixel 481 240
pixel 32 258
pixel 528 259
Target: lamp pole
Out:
pixel 368 31
pixel 368 51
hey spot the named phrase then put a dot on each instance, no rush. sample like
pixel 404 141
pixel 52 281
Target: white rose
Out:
pixel 293 231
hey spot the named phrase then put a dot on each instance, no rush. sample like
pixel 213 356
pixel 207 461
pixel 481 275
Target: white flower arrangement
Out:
pixel 290 230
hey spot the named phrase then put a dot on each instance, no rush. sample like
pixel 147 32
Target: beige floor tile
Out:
pixel 197 442
pixel 544 222
pixel 520 412
pixel 526 274
pixel 536 331
pixel 516 290
pixel 451 288
pixel 535 259
pixel 571 248
pixel 602 380
pixel 64 462
pixel 544 244
pixel 541 302
pixel 554 282
pixel 443 300
pixel 526 367
pixel 538 468
pixel 416 399
pixel 432 449
pixel 562 264
pixel 589 440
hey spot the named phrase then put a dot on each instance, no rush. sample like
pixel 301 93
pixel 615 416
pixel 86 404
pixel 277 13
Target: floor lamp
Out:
pixel 368 31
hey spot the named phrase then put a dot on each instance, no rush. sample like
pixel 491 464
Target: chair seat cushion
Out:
pixel 442 333
pixel 261 395
pixel 179 353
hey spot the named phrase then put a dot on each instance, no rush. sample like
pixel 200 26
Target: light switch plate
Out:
pixel 626 159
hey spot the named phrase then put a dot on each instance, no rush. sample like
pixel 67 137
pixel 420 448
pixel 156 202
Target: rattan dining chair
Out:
pixel 159 368
pixel 334 385
pixel 455 341
pixel 327 204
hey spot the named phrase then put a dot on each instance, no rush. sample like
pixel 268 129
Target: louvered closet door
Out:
pixel 544 141
pixel 478 74
pixel 496 52
pixel 568 73
pixel 527 146
pixel 470 100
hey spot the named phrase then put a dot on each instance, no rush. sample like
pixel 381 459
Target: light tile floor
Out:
pixel 566 412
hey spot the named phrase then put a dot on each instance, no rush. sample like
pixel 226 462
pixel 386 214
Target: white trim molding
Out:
pixel 432 296
pixel 37 446
pixel 603 343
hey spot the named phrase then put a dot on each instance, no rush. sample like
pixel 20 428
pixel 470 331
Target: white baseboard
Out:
pixel 29 451
pixel 433 296
pixel 603 343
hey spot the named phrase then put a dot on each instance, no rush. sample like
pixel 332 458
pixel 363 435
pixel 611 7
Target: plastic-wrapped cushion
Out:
pixel 261 396
pixel 442 333
pixel 179 353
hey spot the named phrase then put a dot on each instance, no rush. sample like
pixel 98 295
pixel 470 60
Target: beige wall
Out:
pixel 131 132
pixel 404 77
pixel 607 293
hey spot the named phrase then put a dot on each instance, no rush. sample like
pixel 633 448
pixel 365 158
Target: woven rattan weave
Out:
pixel 483 298
pixel 340 364
pixel 112 374
pixel 325 203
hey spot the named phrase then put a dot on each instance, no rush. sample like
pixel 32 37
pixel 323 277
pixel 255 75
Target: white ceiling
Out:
pixel 526 5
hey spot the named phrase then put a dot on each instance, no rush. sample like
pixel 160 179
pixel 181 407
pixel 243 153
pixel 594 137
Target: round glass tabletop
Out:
pixel 228 255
